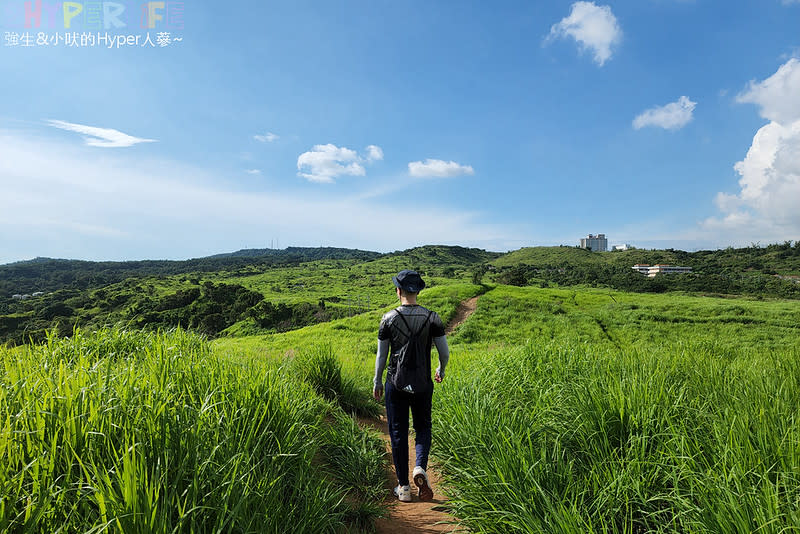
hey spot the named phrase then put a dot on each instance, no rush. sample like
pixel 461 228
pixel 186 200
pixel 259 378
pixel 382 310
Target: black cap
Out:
pixel 409 281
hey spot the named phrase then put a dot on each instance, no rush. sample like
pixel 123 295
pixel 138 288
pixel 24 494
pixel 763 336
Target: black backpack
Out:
pixel 412 371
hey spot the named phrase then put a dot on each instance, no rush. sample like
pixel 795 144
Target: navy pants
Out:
pixel 398 403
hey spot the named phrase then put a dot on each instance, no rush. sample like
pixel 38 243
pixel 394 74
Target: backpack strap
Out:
pixel 410 331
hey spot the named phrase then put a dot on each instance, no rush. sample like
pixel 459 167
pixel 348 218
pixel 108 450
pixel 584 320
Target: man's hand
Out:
pixel 438 378
pixel 377 392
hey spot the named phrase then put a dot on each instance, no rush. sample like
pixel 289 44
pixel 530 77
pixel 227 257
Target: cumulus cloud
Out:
pixel 374 153
pixel 672 116
pixel 777 97
pixel 593 27
pixel 100 137
pixel 267 137
pixel 436 168
pixel 324 163
pixel 766 205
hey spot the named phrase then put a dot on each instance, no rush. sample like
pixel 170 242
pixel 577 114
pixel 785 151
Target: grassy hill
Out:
pixel 261 291
pixel 781 259
pixel 238 295
pixel 610 411
pixel 766 272
pixel 570 256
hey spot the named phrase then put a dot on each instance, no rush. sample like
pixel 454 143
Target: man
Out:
pixel 409 324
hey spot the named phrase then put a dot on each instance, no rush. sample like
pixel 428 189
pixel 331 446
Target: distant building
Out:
pixel 653 270
pixel 621 247
pixel 595 243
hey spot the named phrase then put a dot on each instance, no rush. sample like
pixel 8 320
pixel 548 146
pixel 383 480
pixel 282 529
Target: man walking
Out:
pixel 409 331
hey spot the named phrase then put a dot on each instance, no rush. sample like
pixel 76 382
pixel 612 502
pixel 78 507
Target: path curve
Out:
pixel 464 310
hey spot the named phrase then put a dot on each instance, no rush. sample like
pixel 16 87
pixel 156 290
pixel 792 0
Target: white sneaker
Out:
pixel 403 493
pixel 421 480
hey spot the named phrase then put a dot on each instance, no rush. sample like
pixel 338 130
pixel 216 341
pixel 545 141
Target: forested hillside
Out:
pixel 772 271
pixel 228 295
pixel 262 291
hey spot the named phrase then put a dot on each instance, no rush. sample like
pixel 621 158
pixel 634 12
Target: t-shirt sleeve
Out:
pixel 437 327
pixel 383 330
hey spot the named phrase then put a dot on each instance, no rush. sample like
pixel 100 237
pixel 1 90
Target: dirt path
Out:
pixel 414 516
pixel 464 310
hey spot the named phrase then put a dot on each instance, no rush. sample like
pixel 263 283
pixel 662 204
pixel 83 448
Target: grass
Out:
pixel 354 340
pixel 564 410
pixel 150 432
pixel 510 316
pixel 675 439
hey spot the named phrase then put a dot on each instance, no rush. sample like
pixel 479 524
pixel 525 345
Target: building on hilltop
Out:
pixel 653 270
pixel 595 243
pixel 616 248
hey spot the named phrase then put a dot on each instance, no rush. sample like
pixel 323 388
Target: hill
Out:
pixel 48 274
pixel 261 291
pixel 782 259
pixel 302 253
pixel 228 295
pixel 770 271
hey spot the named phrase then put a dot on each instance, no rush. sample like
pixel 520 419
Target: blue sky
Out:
pixel 384 125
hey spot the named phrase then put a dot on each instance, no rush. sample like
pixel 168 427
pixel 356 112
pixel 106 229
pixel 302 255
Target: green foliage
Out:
pixel 357 459
pixel 563 410
pixel 609 411
pixel 679 438
pixel 46 274
pixel 751 271
pixel 149 432
pixel 321 369
pixel 294 292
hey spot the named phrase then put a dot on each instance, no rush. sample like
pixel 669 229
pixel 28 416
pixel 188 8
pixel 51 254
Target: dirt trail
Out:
pixel 464 310
pixel 415 516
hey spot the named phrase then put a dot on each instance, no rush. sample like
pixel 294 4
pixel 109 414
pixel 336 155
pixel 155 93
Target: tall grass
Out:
pixel 322 370
pixel 133 432
pixel 678 438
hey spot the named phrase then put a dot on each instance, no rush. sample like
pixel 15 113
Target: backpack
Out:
pixel 412 372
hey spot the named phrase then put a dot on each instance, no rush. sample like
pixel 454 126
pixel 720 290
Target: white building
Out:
pixel 626 246
pixel 653 270
pixel 595 243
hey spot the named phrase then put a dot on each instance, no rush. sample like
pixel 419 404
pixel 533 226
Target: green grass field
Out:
pixel 597 411
pixel 132 432
pixel 563 410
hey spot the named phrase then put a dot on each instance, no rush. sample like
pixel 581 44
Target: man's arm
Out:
pixel 380 365
pixel 444 356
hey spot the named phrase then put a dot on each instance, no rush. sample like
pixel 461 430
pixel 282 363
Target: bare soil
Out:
pixel 464 310
pixel 415 516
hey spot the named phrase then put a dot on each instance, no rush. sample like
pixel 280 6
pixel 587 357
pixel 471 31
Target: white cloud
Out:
pixel 100 137
pixel 267 137
pixel 672 116
pixel 253 171
pixel 593 27
pixel 374 153
pixel 436 168
pixel 778 97
pixel 766 206
pixel 324 163
pixel 75 203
